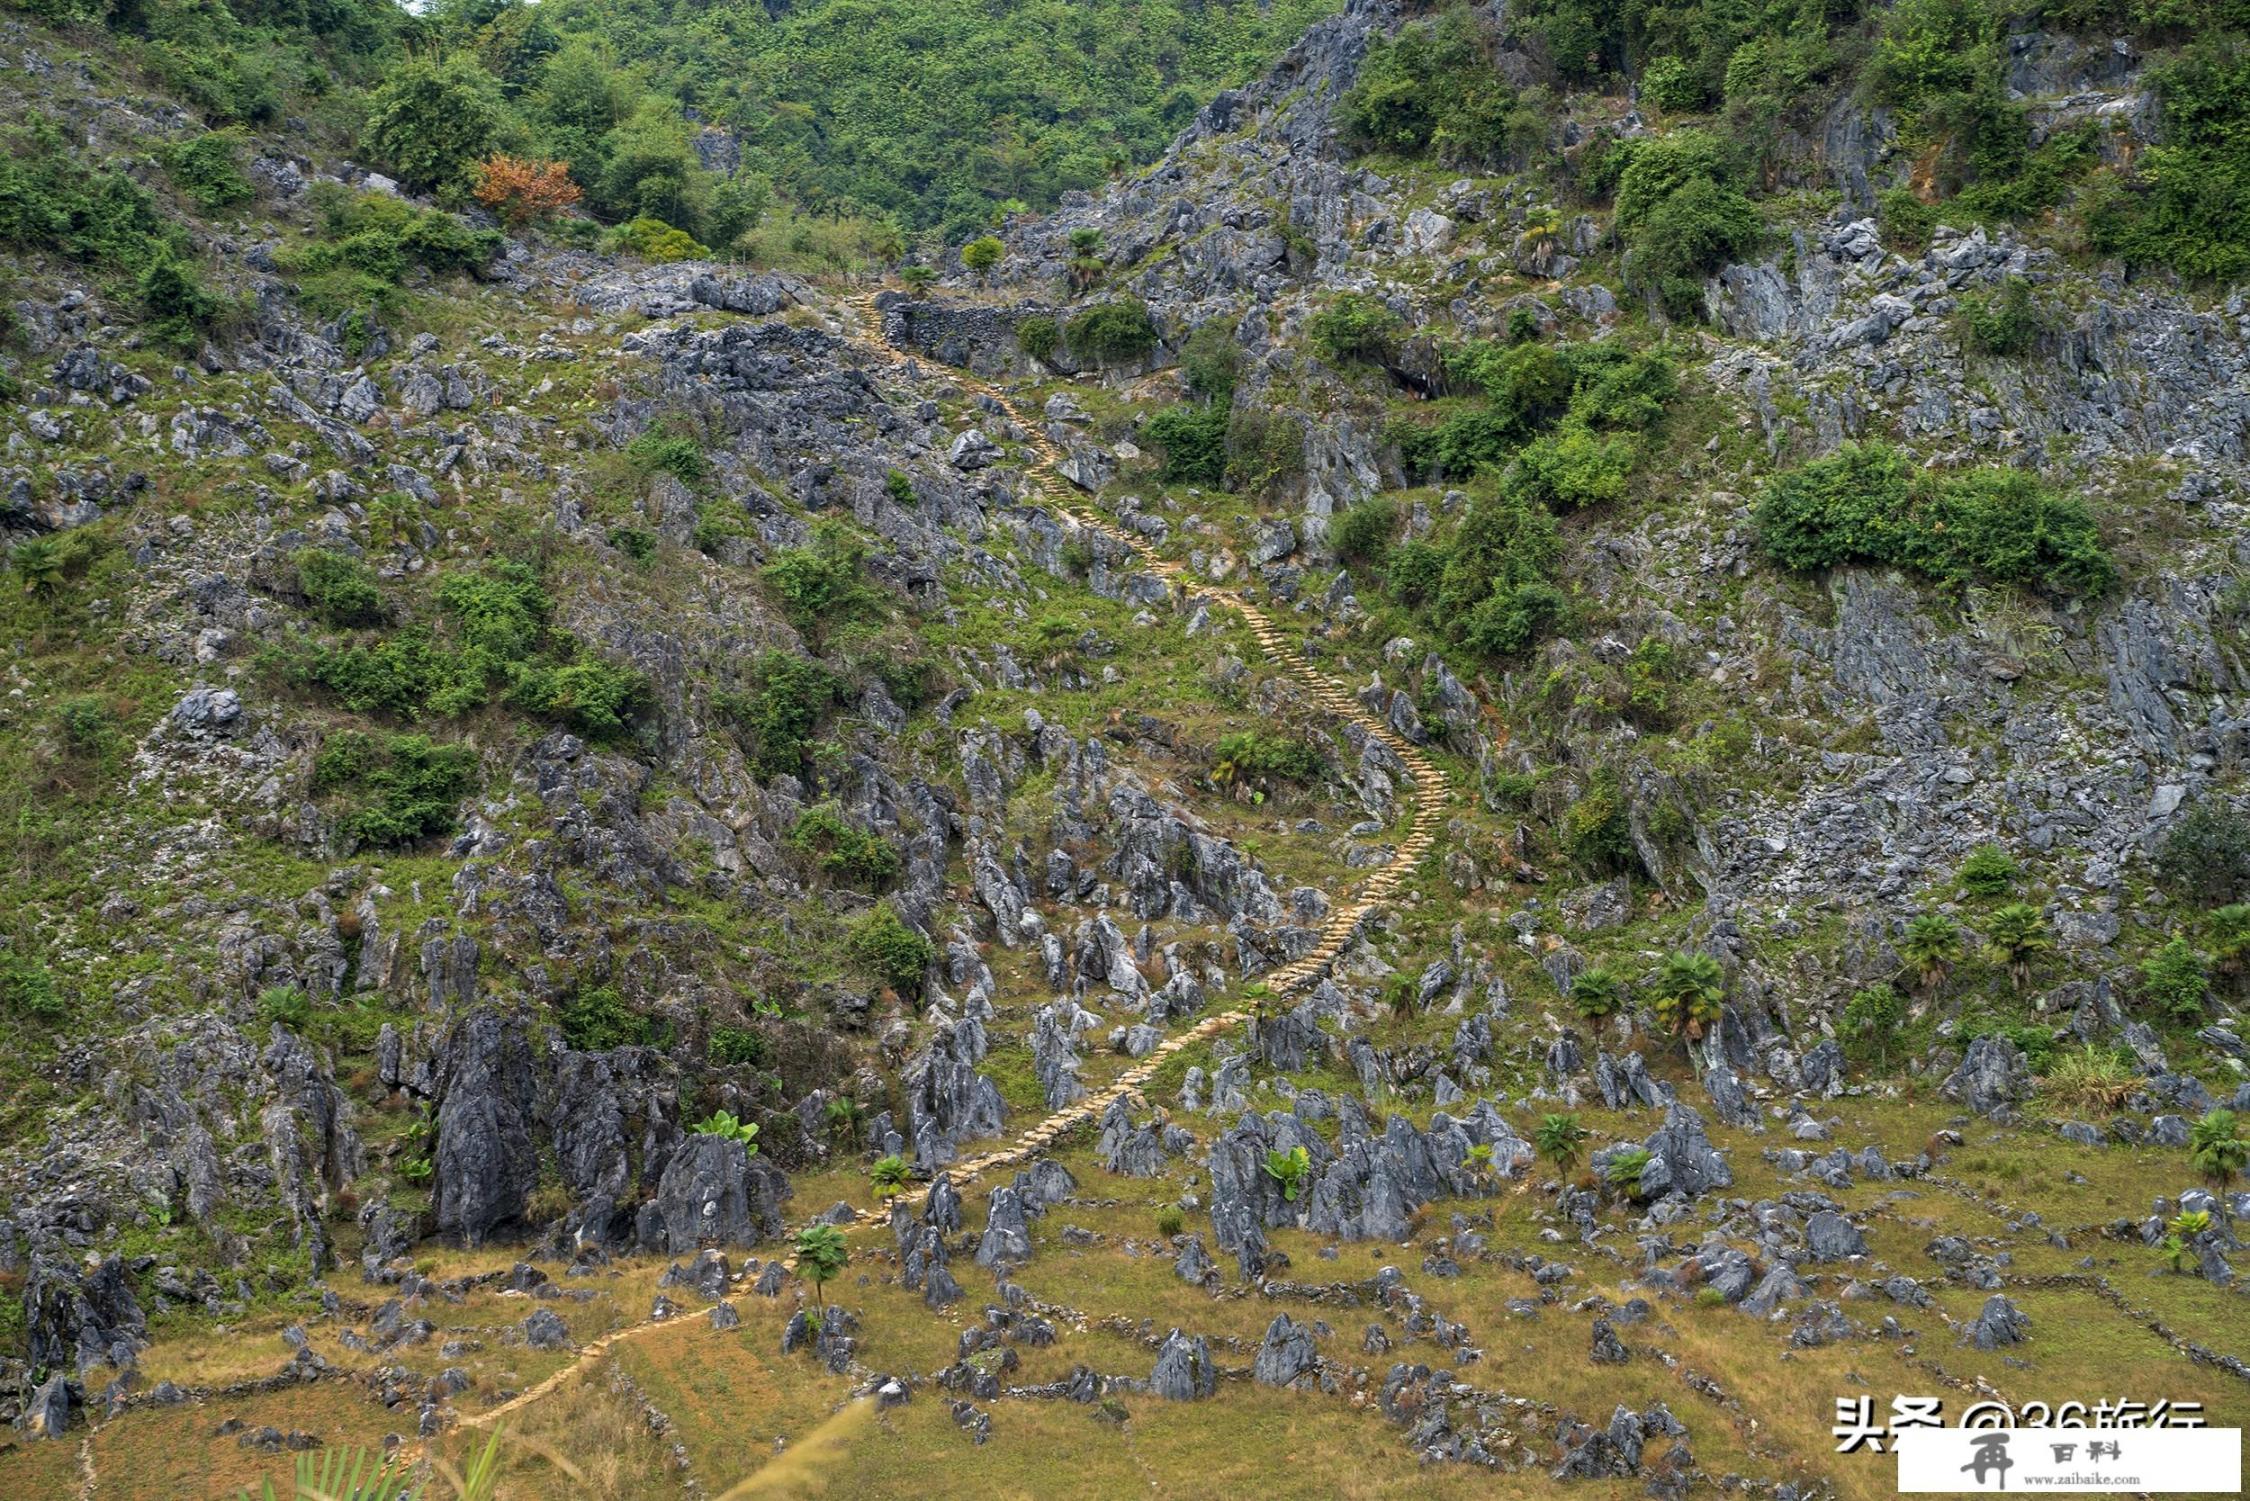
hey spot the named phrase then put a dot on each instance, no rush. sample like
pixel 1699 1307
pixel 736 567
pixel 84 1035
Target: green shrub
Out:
pixel 1596 993
pixel 89 729
pixel 1907 221
pixel 842 849
pixel 500 609
pixel 821 585
pixel 668 453
pixel 1671 85
pixel 341 589
pixel 2002 323
pixel 28 988
pixel 433 119
pixel 50 200
pixel 1210 359
pixel 173 300
pixel 399 788
pixel 1863 505
pixel 654 240
pixel 286 1005
pixel 1254 758
pixel 1626 1166
pixel 1170 1221
pixel 1988 870
pixel 592 696
pixel 1265 451
pixel 1436 87
pixel 635 542
pixel 788 698
pixel 2205 856
pixel 899 485
pixel 1037 336
pixel 1193 437
pixel 892 952
pixel 1362 535
pixel 1873 1015
pixel 2181 203
pixel 737 1047
pixel 1354 326
pixel 1116 330
pixel 724 1123
pixel 983 253
pixel 595 1019
pixel 208 169
pixel 2175 979
pixel 1596 829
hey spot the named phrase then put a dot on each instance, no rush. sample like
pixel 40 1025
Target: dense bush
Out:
pixel 434 120
pixel 786 703
pixel 822 585
pixel 341 589
pixel 396 789
pixel 208 169
pixel 51 201
pixel 652 239
pixel 668 453
pixel 1115 330
pixel 1193 436
pixel 737 1047
pixel 1254 758
pixel 28 988
pixel 842 849
pixel 597 698
pixel 1210 359
pixel 2176 980
pixel 2205 855
pixel 596 1019
pixel 2186 202
pixel 1354 326
pixel 2002 323
pixel 1362 535
pixel 1037 336
pixel 888 949
pixel 1680 214
pixel 1435 87
pixel 1863 504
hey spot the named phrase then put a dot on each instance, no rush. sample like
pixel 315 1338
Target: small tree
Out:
pixel 1289 1169
pixel 2174 978
pixel 1596 993
pixel 2217 1150
pixel 821 1254
pixel 981 254
pixel 890 950
pixel 1874 1013
pixel 844 1115
pixel 2015 935
pixel 433 121
pixel 38 561
pixel 1932 944
pixel 1989 870
pixel 1691 990
pixel 525 190
pixel 888 1175
pixel 1558 1139
pixel 2230 937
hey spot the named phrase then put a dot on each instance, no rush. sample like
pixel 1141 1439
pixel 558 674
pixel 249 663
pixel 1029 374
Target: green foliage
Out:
pixel 1353 327
pixel 2175 979
pixel 52 201
pixel 595 1019
pixel 822 585
pixel 1288 1169
pixel 434 119
pixel 1674 87
pixel 1596 992
pixel 1560 1137
pixel 1170 1221
pixel 354 1474
pixel 1256 759
pixel 1362 535
pixel 2182 203
pixel 2205 856
pixel 2091 1079
pixel 2228 928
pixel 1862 504
pixel 285 1004
pixel 1211 360
pixel 737 1047
pixel 2001 323
pixel 28 988
pixel 654 240
pixel 1625 1168
pixel 2217 1149
pixel 341 589
pixel 981 254
pixel 1873 1014
pixel 1689 990
pixel 1680 215
pixel 668 453
pixel 592 696
pixel 635 542
pixel 208 169
pixel 40 563
pixel 2015 935
pixel 882 944
pixel 1117 330
pixel 821 1254
pixel 1193 436
pixel 1988 870
pixel 887 1175
pixel 1931 943
pixel 1037 336
pixel 365 243
pixel 789 697
pixel 398 789
pixel 899 485
pixel 723 1123
pixel 1436 87
pixel 842 849
pixel 173 300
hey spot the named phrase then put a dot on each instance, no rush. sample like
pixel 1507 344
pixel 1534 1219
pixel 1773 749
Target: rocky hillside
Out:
pixel 1604 658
